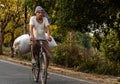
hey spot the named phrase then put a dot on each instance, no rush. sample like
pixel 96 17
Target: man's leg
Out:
pixel 34 50
pixel 48 52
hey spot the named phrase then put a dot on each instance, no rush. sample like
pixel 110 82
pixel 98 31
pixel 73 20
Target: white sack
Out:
pixel 21 44
pixel 51 43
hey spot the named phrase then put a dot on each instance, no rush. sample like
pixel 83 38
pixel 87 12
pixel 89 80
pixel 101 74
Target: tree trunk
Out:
pixel 12 41
pixel 1 42
pixel 25 19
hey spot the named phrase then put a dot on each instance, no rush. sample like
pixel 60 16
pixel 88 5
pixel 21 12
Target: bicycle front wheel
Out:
pixel 36 69
pixel 43 68
pixel 35 72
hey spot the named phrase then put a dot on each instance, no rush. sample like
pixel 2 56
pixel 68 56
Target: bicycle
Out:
pixel 40 67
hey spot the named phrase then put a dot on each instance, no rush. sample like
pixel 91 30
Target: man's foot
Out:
pixel 33 61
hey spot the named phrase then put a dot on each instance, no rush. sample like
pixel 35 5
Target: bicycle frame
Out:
pixel 41 64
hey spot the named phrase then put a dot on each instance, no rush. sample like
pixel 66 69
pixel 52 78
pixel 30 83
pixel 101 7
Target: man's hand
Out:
pixel 49 38
pixel 31 38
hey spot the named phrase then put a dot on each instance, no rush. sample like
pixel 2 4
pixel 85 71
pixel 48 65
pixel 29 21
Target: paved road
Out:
pixel 11 73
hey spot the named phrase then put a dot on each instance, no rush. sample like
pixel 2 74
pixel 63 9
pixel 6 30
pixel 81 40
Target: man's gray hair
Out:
pixel 38 8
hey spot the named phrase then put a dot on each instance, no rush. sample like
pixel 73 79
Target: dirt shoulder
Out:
pixel 103 79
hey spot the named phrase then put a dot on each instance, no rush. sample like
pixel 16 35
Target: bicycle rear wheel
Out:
pixel 36 69
pixel 43 68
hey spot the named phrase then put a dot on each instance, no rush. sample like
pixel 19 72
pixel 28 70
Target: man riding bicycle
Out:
pixel 38 26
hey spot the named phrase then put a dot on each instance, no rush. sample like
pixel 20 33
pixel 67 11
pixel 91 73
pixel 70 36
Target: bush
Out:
pixel 24 56
pixel 108 69
pixel 89 66
pixel 67 54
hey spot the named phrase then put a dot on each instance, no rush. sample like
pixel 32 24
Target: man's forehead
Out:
pixel 40 11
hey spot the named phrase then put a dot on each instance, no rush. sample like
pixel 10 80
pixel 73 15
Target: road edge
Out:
pixel 64 71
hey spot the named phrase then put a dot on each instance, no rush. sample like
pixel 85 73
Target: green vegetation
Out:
pixel 72 22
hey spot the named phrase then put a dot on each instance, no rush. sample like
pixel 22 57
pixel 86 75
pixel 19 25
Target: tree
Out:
pixel 107 38
pixel 79 14
pixel 111 50
pixel 25 17
pixel 7 11
pixel 10 10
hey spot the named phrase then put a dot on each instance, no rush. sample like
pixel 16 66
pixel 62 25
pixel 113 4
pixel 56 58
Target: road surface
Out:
pixel 12 73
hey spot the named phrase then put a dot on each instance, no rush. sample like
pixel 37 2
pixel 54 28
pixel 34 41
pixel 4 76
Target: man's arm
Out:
pixel 31 32
pixel 48 32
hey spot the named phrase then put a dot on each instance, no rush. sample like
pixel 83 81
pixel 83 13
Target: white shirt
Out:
pixel 39 28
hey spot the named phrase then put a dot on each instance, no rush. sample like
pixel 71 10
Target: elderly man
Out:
pixel 38 26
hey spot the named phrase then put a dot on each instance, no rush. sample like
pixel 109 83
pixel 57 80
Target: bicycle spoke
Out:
pixel 43 70
pixel 35 72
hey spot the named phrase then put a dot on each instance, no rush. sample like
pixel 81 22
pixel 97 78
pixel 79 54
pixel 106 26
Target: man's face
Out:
pixel 39 14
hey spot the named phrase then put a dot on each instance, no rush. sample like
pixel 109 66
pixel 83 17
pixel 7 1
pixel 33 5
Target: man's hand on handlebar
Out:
pixel 49 38
pixel 32 38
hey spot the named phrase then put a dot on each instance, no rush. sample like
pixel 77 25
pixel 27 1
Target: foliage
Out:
pixel 111 50
pixel 96 40
pixel 26 57
pixel 86 15
pixel 86 41
pixel 59 35
pixel 107 41
pixel 66 55
pixel 9 9
pixel 15 22
pixel 108 68
pixel 10 29
pixel 71 52
pixel 90 65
